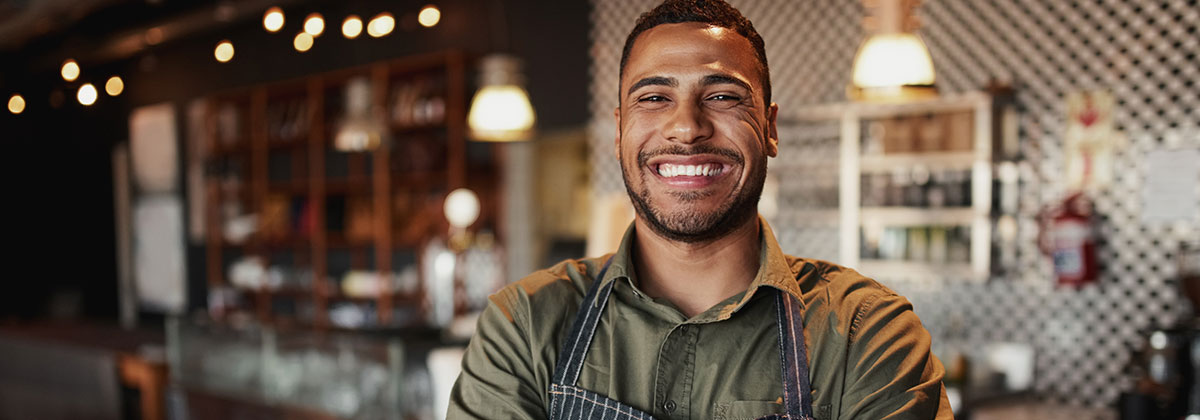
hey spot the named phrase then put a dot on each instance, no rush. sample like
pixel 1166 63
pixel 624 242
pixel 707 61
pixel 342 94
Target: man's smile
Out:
pixel 690 172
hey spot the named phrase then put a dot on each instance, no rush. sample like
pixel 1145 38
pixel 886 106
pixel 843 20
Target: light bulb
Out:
pixel 86 94
pixel 461 208
pixel 224 51
pixel 893 60
pixel 16 104
pixel 70 70
pixel 429 16
pixel 303 41
pixel 381 25
pixel 114 86
pixel 501 113
pixel 352 27
pixel 273 19
pixel 314 25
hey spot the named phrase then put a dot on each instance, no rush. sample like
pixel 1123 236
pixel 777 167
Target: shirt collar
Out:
pixel 773 269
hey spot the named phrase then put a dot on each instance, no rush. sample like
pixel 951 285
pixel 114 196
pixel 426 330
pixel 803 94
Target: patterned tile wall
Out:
pixel 1143 52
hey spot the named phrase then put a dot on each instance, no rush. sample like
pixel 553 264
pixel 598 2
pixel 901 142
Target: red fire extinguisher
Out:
pixel 1068 236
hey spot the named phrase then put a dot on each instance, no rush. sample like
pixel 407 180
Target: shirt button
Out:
pixel 669 406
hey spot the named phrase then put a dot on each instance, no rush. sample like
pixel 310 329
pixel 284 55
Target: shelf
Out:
pixel 294 187
pixel 401 184
pixel 362 185
pixel 402 298
pixel 894 268
pixel 931 160
pixel 287 143
pixel 418 179
pixel 968 101
pixel 350 185
pixel 227 151
pixel 402 129
pixel 917 216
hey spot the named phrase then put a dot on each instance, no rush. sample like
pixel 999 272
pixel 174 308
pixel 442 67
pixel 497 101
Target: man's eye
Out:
pixel 654 98
pixel 724 98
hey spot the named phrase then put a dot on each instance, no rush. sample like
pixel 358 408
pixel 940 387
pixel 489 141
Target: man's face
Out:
pixel 694 132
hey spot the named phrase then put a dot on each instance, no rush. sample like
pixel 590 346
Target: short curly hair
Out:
pixel 713 12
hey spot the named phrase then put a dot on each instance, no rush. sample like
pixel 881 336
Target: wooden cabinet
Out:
pixel 290 218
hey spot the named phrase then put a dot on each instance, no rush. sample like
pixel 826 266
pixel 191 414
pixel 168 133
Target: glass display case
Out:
pixel 221 372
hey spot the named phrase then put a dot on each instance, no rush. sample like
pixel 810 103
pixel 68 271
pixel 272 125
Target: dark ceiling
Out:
pixel 39 33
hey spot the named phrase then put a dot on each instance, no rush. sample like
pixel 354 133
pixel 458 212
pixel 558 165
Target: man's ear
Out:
pixel 617 137
pixel 772 130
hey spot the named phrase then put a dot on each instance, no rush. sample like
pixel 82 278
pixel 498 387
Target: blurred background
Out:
pixel 291 208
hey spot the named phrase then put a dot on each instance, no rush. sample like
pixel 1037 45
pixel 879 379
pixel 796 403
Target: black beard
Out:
pixel 699 227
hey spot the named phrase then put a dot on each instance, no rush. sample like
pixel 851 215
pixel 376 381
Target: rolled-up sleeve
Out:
pixel 497 379
pixel 890 370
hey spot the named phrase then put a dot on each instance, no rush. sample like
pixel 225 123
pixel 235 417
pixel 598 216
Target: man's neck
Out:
pixel 696 276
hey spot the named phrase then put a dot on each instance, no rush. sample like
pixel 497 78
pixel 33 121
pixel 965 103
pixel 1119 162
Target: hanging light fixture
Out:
pixel 893 63
pixel 360 129
pixel 500 110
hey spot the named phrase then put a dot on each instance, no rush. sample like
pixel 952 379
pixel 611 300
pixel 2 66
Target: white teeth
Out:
pixel 669 170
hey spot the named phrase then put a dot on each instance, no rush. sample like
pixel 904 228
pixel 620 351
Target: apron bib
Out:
pixel 567 401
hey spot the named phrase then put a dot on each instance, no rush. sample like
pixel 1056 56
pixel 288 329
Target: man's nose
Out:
pixel 687 124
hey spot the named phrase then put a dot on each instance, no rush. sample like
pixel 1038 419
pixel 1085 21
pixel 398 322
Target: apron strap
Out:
pixel 579 339
pixel 797 392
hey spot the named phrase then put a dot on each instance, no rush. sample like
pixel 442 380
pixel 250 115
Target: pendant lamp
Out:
pixel 500 110
pixel 892 63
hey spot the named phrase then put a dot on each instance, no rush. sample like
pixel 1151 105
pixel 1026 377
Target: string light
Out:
pixel 224 51
pixel 273 19
pixel 303 41
pixel 314 25
pixel 114 86
pixel 86 94
pixel 16 104
pixel 381 25
pixel 70 70
pixel 429 16
pixel 352 27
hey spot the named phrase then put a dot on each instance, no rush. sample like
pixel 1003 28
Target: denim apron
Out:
pixel 568 401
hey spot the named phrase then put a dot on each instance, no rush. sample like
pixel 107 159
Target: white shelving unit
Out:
pixel 853 164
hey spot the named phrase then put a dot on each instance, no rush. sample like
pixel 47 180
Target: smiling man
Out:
pixel 698 314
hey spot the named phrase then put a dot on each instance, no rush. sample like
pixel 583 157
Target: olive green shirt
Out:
pixel 869 356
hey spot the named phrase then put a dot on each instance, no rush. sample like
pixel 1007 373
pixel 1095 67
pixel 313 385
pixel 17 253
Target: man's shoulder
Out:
pixel 834 283
pixel 561 285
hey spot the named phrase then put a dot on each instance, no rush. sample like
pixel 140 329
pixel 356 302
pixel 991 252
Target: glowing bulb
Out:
pixel 224 51
pixel 461 207
pixel 381 25
pixel 16 104
pixel 114 86
pixel 273 19
pixel 86 94
pixel 352 27
pixel 303 41
pixel 893 60
pixel 314 24
pixel 429 16
pixel 501 113
pixel 70 70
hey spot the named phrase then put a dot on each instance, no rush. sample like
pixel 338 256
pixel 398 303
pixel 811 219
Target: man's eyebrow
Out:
pixel 719 79
pixel 653 81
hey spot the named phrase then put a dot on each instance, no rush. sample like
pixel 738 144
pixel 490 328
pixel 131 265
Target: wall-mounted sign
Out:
pixel 1090 140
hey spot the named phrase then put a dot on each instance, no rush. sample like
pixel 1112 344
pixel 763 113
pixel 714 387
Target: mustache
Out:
pixel 699 149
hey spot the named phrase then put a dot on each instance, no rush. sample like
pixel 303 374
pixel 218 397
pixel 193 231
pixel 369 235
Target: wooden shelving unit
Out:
pixel 276 188
pixel 970 149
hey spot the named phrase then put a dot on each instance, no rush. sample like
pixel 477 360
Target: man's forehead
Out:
pixel 690 47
